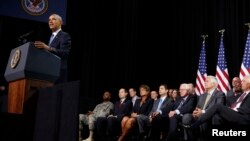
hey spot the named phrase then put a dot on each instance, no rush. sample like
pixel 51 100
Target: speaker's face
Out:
pixel 54 23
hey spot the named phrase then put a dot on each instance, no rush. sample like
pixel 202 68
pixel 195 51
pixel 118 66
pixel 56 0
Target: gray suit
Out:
pixel 217 97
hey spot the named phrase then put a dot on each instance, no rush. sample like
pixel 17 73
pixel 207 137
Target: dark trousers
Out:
pixel 222 114
pixel 108 128
pixel 158 126
pixel 173 125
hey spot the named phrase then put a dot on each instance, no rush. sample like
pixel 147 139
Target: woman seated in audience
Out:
pixel 142 106
pixel 175 94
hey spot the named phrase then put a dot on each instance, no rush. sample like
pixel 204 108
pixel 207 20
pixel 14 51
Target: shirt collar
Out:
pixel 247 91
pixel 122 100
pixel 211 92
pixel 184 98
pixel 56 32
pixel 134 98
pixel 163 98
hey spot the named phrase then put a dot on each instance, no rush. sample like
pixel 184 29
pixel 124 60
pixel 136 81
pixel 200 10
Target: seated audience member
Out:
pixel 154 95
pixel 111 125
pixel 185 104
pixel 175 94
pixel 170 92
pixel 133 96
pixel 238 114
pixel 142 107
pixel 206 101
pixel 235 92
pixel 158 115
pixel 192 89
pixel 101 110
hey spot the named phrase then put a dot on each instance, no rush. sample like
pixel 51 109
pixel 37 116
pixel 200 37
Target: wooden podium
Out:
pixel 29 69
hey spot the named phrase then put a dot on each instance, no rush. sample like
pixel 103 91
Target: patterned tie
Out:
pixel 206 101
pixel 51 39
pixel 239 100
pixel 182 101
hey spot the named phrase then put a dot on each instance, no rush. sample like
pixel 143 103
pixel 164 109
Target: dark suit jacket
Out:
pixel 188 106
pixel 241 117
pixel 143 109
pixel 61 45
pixel 165 107
pixel 218 97
pixel 244 108
pixel 231 98
pixel 124 109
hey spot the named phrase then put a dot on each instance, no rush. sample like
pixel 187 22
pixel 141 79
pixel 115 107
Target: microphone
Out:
pixel 24 36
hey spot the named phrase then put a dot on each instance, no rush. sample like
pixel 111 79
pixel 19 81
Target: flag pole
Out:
pixel 222 74
pixel 202 69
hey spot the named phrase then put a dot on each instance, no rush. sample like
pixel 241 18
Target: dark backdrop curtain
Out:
pixel 125 43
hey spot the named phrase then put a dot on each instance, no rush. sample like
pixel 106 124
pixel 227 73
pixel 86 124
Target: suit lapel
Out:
pixel 211 98
pixel 163 102
pixel 56 38
pixel 244 99
pixel 156 103
pixel 186 99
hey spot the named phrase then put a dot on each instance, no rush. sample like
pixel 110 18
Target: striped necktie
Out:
pixel 239 100
pixel 182 101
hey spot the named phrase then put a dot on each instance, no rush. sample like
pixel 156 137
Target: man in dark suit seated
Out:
pixel 133 95
pixel 235 92
pixel 237 114
pixel 111 126
pixel 158 115
pixel 184 105
pixel 206 101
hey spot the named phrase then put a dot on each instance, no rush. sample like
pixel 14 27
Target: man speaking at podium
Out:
pixel 59 44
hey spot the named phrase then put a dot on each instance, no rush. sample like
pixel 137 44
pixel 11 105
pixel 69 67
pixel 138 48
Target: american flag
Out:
pixel 245 66
pixel 221 69
pixel 202 71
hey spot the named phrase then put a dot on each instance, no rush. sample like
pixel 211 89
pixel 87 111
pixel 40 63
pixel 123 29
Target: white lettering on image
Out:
pixel 216 132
